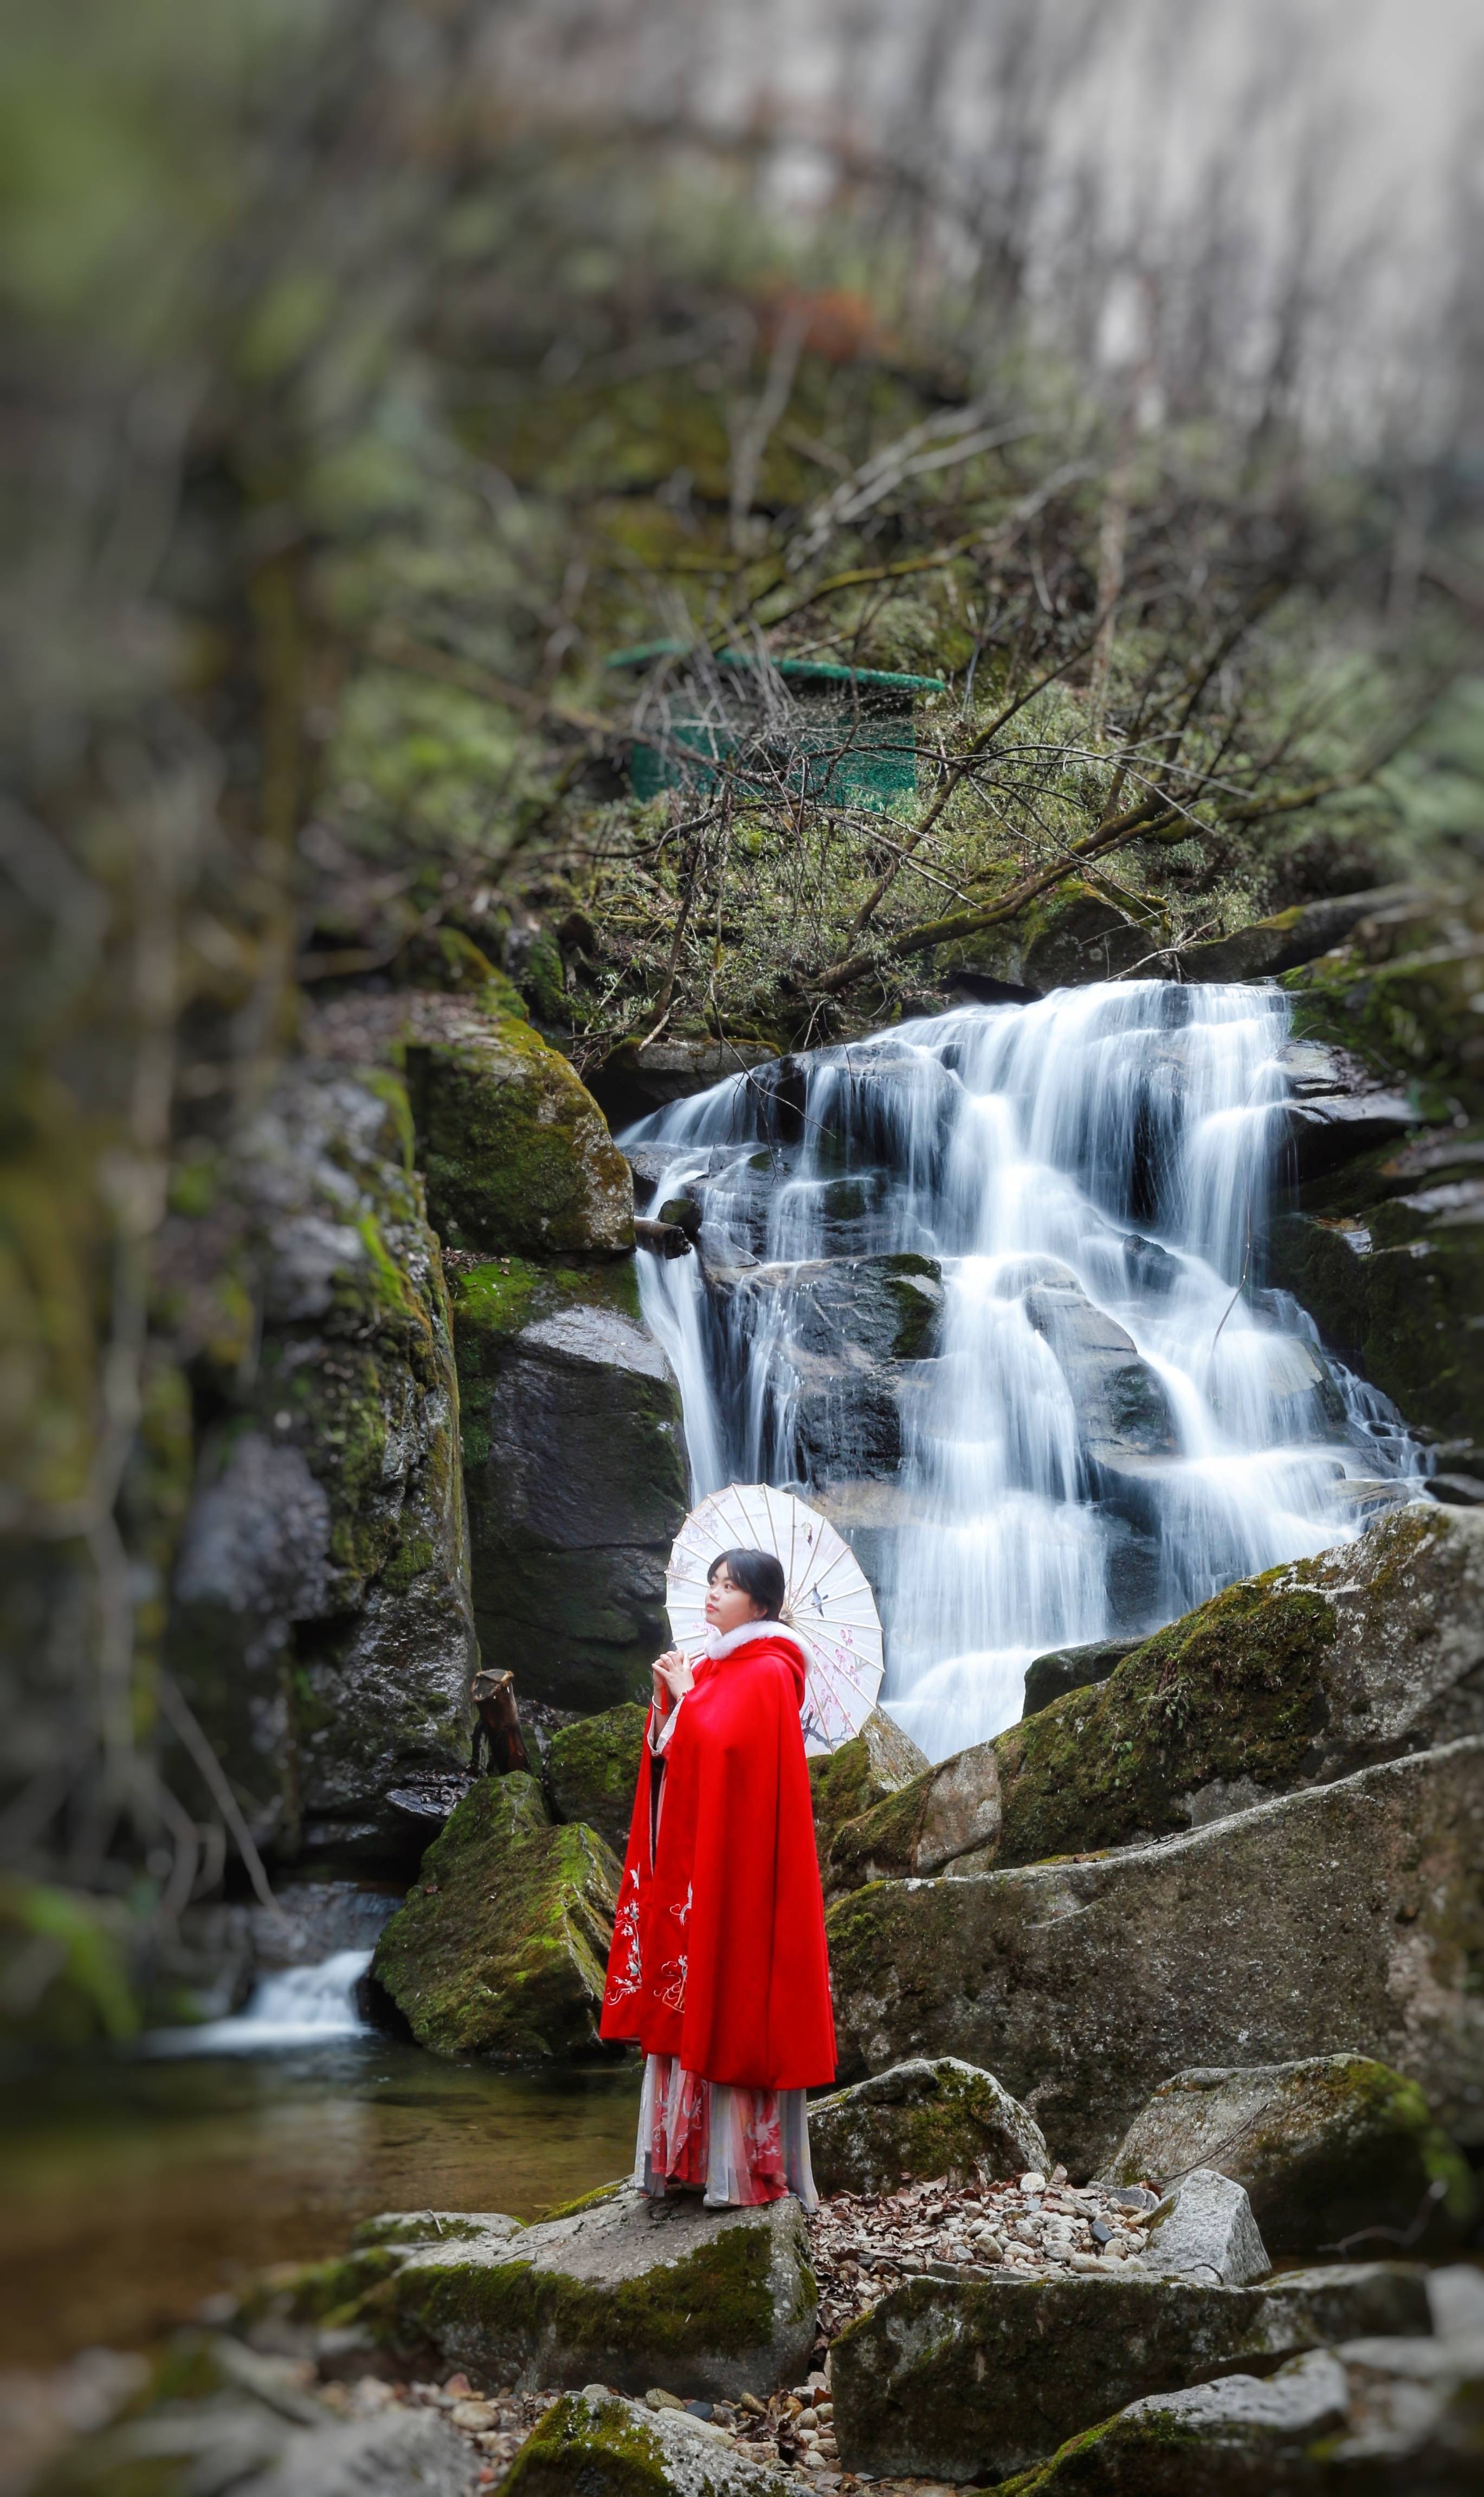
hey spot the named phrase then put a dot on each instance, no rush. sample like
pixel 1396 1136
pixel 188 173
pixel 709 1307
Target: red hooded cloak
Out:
pixel 719 1953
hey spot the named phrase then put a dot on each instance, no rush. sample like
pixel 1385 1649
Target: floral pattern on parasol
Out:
pixel 829 1600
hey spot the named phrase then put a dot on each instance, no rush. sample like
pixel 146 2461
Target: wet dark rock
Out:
pixel 1388 1254
pixel 636 1080
pixel 920 2119
pixel 320 1624
pixel 1083 1985
pixel 576 1473
pixel 885 1308
pixel 969 2380
pixel 1329 2149
pixel 1073 1669
pixel 1120 1402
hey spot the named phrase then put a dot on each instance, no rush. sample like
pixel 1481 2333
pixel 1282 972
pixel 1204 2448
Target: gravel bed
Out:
pixel 865 2245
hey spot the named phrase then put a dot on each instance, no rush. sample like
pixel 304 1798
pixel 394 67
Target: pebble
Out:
pixel 474 2414
pixel 864 2246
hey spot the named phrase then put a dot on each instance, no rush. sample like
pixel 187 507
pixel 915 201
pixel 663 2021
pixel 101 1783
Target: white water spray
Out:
pixel 1107 1418
pixel 294 2007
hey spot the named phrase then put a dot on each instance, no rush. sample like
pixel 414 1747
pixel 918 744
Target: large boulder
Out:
pixel 595 2444
pixel 1352 1912
pixel 321 1627
pixel 574 1467
pixel 846 1781
pixel 643 1076
pixel 1329 2148
pixel 516 1153
pixel 885 1309
pixel 920 2119
pixel 1292 1678
pixel 501 1947
pixel 710 2305
pixel 973 2380
pixel 948 1814
pixel 1378 2417
pixel 591 1770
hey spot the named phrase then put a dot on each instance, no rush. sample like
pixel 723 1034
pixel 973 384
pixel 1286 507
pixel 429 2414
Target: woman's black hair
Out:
pixel 759 1575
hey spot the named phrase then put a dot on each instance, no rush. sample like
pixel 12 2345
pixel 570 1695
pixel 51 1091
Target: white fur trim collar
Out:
pixel 719 1645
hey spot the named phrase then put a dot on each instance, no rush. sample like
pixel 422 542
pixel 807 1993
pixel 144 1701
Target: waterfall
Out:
pixel 986 1289
pixel 294 2007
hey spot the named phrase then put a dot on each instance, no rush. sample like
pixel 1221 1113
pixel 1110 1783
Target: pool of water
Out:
pixel 130 2190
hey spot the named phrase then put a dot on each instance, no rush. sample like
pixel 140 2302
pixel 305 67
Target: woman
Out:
pixel 718 1966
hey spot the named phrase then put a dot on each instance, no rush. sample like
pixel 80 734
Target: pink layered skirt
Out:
pixel 737 2146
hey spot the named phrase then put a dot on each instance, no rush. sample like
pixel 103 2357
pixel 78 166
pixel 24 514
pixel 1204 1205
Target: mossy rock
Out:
pixel 592 1770
pixel 1327 2149
pixel 1352 1908
pixel 1233 1691
pixel 919 2120
pixel 515 1149
pixel 959 2379
pixel 1305 1673
pixel 846 1781
pixel 1067 938
pixel 322 1623
pixel 1413 1012
pixel 501 1947
pixel 708 2303
pixel 1391 1268
pixel 595 2444
pixel 948 1814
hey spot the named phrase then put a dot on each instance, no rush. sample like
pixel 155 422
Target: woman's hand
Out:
pixel 672 1678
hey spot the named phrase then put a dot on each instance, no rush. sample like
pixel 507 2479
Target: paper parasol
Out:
pixel 830 1603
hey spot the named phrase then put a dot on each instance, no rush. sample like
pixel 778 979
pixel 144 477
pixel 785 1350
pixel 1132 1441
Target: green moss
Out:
pixel 413 1557
pixel 516 1153
pixel 1233 1689
pixel 64 1967
pixel 718 2300
pixel 601 2450
pixel 592 1769
pixel 501 1945
pixel 842 1788
pixel 332 2292
pixel 885 1837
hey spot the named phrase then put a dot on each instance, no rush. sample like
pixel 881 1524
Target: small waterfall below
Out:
pixel 986 1289
pixel 294 2007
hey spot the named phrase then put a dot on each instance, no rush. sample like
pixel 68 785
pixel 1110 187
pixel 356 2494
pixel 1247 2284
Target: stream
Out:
pixel 1100 1416
pixel 135 2188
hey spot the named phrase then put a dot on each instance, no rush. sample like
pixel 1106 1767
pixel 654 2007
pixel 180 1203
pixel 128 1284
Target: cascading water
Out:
pixel 986 1287
pixel 296 2006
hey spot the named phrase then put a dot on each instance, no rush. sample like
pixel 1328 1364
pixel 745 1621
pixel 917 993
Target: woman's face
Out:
pixel 728 1605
